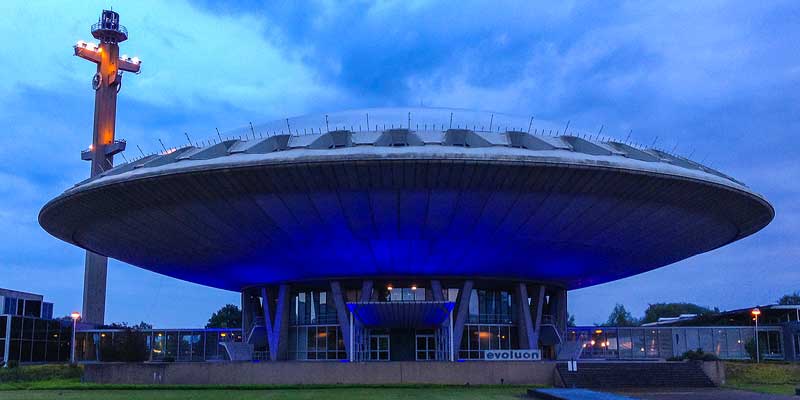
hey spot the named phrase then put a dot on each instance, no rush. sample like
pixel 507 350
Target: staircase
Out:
pixel 634 374
pixel 238 351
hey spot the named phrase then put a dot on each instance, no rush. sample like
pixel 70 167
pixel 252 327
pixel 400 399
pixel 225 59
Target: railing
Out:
pixel 118 28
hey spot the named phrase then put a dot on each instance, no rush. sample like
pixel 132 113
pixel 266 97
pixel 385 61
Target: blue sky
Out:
pixel 718 80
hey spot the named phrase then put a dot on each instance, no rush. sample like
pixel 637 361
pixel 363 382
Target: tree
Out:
pixel 620 317
pixel 229 316
pixel 790 299
pixel 124 325
pixel 662 310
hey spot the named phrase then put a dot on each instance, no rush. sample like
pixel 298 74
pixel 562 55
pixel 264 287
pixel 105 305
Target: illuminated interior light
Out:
pixel 413 287
pixel 389 287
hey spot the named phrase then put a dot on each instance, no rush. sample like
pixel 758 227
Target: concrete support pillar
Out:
pixel 282 311
pixel 245 316
pixel 269 310
pixel 436 288
pixel 559 310
pixel 528 339
pixel 366 290
pixel 342 313
pixel 278 326
pixel 537 327
pixel 94 289
pixel 462 315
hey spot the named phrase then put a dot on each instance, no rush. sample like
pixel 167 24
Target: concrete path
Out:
pixel 699 394
pixel 574 394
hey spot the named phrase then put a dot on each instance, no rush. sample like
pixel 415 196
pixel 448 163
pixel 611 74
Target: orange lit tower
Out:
pixel 106 83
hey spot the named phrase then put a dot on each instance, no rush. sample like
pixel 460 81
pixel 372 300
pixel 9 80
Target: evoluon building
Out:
pixel 405 234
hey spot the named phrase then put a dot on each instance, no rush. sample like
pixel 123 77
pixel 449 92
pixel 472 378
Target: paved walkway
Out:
pixel 699 394
pixel 574 394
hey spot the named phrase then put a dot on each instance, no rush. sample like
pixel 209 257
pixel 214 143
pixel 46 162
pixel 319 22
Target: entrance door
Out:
pixel 426 347
pixel 379 347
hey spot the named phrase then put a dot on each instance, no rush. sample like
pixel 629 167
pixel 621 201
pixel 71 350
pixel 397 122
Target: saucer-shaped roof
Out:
pixel 459 194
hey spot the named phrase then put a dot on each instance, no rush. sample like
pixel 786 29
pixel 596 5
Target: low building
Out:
pixel 28 332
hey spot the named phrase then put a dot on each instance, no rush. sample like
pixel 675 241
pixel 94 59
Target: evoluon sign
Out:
pixel 513 355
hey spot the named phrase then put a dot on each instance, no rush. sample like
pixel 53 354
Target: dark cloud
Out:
pixel 719 81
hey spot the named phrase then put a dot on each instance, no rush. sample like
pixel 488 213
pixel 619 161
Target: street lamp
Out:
pixel 756 312
pixel 75 316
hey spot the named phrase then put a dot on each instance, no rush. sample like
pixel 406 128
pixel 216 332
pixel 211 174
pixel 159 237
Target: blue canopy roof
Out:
pixel 401 314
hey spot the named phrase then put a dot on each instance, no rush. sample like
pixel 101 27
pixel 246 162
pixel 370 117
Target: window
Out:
pixel 379 347
pixel 47 310
pixel 770 343
pixel 796 345
pixel 491 307
pixel 426 347
pixel 479 338
pixel 312 308
pixel 33 308
pixel 10 305
pixel 310 342
pixel 406 294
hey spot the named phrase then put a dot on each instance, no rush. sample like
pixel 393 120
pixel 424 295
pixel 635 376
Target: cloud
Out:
pixel 717 80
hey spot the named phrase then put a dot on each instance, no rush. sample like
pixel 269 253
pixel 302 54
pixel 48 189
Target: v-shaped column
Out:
pixel 277 328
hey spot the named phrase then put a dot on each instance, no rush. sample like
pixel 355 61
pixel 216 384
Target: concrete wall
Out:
pixel 474 373
pixel 715 370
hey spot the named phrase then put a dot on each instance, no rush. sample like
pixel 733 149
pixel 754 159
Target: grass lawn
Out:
pixel 350 393
pixel 63 382
pixel 767 377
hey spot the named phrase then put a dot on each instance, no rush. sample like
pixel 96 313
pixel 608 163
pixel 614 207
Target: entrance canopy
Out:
pixel 401 314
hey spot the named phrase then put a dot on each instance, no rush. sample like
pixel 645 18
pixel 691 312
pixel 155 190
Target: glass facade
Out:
pixel 314 332
pixel 185 345
pixel 490 325
pixel 27 308
pixel 654 343
pixel 491 307
pixel 405 294
pixel 33 340
pixel 316 342
pixel 313 308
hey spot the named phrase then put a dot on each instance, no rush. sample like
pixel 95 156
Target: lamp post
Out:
pixel 75 316
pixel 756 312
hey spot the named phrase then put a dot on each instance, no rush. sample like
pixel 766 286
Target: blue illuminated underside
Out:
pixel 567 226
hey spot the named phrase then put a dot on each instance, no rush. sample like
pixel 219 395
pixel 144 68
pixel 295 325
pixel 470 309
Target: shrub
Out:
pixel 750 348
pixel 695 355
pixel 39 373
pixel 130 345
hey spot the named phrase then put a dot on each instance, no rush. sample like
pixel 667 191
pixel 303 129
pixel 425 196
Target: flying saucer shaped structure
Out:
pixel 405 192
pixel 369 229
